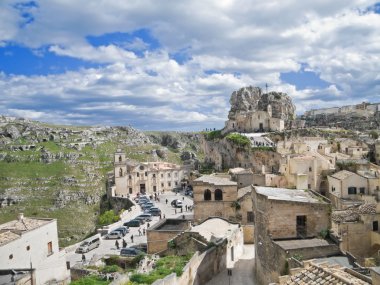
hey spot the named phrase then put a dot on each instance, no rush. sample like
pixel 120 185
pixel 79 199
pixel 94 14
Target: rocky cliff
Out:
pixel 251 98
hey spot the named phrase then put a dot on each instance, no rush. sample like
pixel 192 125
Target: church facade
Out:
pixel 146 177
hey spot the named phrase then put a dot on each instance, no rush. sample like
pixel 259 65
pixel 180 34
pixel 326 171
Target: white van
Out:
pixel 89 244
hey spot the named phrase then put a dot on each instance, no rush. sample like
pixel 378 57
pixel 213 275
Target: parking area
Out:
pixel 108 247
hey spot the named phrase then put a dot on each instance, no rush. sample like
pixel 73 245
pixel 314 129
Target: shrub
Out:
pixel 108 217
pixel 238 140
pixel 214 135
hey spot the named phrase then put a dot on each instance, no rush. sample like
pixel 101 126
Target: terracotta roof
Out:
pixel 352 214
pixel 323 274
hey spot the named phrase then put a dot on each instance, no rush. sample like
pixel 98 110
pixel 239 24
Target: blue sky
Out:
pixel 164 65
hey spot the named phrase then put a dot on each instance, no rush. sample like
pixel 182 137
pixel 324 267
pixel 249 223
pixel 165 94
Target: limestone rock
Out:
pixel 187 155
pixel 12 132
pixel 252 98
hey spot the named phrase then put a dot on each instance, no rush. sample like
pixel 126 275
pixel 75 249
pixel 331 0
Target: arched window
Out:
pixel 207 195
pixel 120 172
pixel 218 195
pixel 119 158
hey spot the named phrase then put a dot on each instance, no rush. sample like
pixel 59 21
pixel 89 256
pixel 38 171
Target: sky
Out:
pixel 172 65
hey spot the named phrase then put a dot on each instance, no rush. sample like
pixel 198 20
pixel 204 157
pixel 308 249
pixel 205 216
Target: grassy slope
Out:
pixel 38 183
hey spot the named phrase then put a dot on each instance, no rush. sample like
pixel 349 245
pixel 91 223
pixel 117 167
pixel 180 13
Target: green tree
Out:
pixel 108 217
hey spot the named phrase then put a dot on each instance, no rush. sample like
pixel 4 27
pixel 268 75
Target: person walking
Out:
pixel 166 201
pixel 148 225
pixel 139 232
pixel 117 244
pixel 83 258
pixel 132 238
pixel 124 243
pixel 144 231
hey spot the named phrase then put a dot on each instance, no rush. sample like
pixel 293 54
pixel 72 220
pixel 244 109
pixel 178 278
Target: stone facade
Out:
pixel 284 214
pixel 213 196
pixel 149 177
pixel 161 233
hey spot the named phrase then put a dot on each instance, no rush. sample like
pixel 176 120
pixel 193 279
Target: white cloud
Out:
pixel 246 43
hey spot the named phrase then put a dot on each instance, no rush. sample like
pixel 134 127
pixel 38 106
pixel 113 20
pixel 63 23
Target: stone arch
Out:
pixel 207 195
pixel 218 195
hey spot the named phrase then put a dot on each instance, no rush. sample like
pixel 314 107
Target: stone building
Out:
pixel 216 196
pixel 131 178
pixel 254 121
pixel 357 230
pixel 32 243
pixel 287 223
pixel 347 188
pixel 213 196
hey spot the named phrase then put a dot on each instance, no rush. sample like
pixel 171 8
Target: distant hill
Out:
pixel 60 171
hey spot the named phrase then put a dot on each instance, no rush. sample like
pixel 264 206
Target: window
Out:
pixel 351 190
pixel 130 190
pixel 120 172
pixel 154 188
pixel 162 175
pixel 119 158
pixel 50 248
pixel 362 190
pixel 207 195
pixel 154 175
pixel 332 189
pixel 176 183
pixel 250 217
pixel 169 184
pixel 375 226
pixel 168 174
pixel 162 184
pixel 146 173
pixel 138 174
pixel 309 186
pixel 130 176
pixel 310 169
pixel 141 167
pixel 218 195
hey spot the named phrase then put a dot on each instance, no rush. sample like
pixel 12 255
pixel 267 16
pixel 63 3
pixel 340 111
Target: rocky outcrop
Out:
pixel 251 98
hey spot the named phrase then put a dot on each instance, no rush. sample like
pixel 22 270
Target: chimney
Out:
pixel 20 217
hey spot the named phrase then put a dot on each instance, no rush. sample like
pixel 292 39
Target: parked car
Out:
pixel 143 201
pixel 141 246
pixel 114 235
pixel 130 252
pixel 124 230
pixel 154 211
pixel 88 245
pixel 132 223
pixel 140 219
pixel 146 216
pixel 146 206
pixel 176 203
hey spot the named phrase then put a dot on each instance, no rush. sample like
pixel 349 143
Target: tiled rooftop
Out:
pixel 341 175
pixel 215 180
pixel 284 194
pixel 318 274
pixel 14 229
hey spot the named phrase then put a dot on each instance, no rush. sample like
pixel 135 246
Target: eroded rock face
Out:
pixel 251 98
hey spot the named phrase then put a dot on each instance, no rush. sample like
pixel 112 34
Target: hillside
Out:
pixel 60 171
